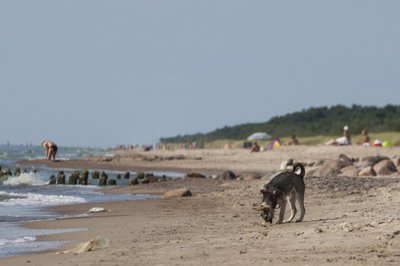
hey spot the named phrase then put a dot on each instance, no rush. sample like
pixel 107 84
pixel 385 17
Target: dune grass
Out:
pixel 392 137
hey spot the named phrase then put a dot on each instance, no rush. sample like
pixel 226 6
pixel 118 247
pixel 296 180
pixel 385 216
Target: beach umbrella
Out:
pixel 258 135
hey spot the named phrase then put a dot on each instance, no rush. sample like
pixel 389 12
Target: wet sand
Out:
pixel 349 220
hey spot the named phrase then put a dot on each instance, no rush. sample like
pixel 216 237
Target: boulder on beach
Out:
pixel 228 175
pixel 96 243
pixel 367 171
pixel 370 161
pixel 396 161
pixel 385 167
pixel 177 193
pixel 97 209
pixel 350 170
pixel 329 168
pixel 345 160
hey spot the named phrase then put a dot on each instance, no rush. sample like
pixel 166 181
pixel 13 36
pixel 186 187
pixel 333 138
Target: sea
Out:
pixel 28 196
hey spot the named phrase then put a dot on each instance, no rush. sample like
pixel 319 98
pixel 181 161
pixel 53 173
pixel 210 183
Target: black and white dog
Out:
pixel 286 185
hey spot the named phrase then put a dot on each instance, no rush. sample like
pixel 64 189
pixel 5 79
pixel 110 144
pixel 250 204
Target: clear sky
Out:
pixel 101 73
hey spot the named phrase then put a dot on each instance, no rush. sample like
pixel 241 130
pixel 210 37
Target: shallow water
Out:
pixel 27 197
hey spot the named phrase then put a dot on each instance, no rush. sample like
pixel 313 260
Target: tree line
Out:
pixel 308 122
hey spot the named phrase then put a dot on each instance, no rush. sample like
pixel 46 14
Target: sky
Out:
pixel 102 73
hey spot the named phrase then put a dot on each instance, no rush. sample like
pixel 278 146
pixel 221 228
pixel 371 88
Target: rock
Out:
pixel 133 181
pixel 140 175
pixel 228 175
pixel 98 242
pixel 61 178
pixel 345 160
pixel 112 182
pixel 152 178
pixel 329 168
pixel 97 209
pixel 370 161
pixel 350 170
pixel 95 175
pixel 367 171
pixel 17 172
pixel 385 167
pixel 83 178
pixel 126 175
pixel 73 178
pixel 103 179
pixel 53 180
pixel 396 161
pixel 8 172
pixel 177 193
pixel 286 165
pixel 195 175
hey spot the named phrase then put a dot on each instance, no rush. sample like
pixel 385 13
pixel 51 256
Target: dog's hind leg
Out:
pixel 293 210
pixel 282 204
pixel 300 199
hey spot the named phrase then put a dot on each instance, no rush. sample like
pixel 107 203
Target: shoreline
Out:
pixel 218 225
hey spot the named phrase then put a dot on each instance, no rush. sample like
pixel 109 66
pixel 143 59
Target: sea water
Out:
pixel 26 197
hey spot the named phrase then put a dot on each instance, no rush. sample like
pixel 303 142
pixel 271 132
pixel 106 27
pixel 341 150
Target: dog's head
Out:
pixel 269 203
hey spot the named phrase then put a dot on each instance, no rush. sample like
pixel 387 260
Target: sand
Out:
pixel 349 220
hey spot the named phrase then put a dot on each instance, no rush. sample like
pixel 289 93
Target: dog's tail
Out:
pixel 301 166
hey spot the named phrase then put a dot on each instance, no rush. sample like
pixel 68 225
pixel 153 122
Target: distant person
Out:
pixel 50 149
pixel 293 141
pixel 342 141
pixel 255 147
pixel 364 140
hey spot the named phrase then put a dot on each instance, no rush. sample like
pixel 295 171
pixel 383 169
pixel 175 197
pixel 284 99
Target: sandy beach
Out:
pixel 349 220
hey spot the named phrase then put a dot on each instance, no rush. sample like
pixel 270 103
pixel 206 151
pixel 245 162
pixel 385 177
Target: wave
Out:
pixel 32 179
pixel 25 199
pixel 4 242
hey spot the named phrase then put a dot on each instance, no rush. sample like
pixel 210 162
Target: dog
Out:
pixel 286 185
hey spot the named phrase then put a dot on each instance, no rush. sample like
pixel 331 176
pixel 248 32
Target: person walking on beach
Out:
pixel 50 149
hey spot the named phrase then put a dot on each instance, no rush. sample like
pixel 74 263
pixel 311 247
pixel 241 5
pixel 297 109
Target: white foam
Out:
pixel 4 242
pixel 26 199
pixel 33 179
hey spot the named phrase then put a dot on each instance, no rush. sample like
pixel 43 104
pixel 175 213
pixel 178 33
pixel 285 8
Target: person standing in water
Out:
pixel 50 149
